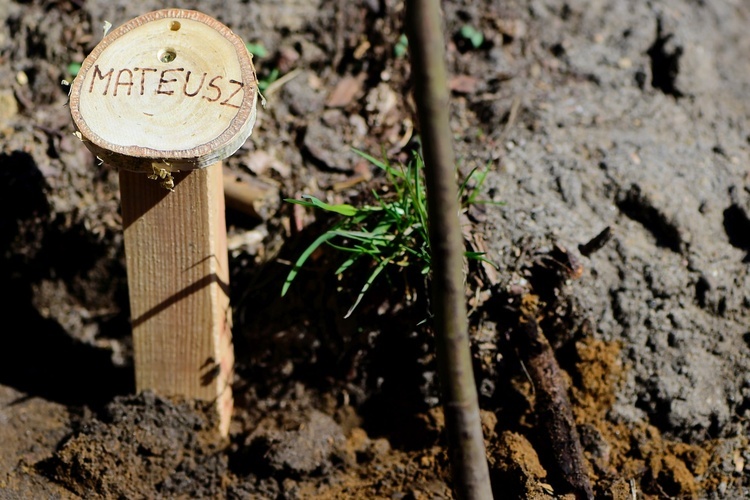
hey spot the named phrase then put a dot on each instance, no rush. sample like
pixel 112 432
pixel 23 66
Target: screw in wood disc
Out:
pixel 173 87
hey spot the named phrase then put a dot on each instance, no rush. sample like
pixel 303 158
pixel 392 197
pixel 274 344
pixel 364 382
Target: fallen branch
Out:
pixel 552 405
pixel 250 196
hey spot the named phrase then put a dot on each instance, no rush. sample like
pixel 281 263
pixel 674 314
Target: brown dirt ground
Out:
pixel 563 100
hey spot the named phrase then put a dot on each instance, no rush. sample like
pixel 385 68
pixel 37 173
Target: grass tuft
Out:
pixel 394 231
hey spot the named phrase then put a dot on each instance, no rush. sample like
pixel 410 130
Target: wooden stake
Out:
pixel 178 275
pixel 165 98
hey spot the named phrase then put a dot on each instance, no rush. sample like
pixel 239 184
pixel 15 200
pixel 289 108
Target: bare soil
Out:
pixel 632 116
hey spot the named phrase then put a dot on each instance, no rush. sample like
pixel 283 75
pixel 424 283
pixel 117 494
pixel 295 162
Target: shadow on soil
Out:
pixel 37 355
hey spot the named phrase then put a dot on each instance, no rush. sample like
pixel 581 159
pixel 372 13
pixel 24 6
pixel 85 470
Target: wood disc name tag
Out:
pixel 172 87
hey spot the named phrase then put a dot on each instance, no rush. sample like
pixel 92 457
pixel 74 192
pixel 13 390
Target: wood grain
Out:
pixel 177 263
pixel 173 86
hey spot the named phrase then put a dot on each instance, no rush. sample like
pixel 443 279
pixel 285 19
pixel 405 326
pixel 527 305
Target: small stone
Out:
pixel 8 105
pixel 22 78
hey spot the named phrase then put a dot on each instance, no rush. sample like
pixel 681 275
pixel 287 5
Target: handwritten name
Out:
pixel 167 82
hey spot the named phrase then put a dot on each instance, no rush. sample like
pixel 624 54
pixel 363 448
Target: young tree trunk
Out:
pixel 460 402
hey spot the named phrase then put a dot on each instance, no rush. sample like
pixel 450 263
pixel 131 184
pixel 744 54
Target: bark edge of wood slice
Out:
pixel 173 89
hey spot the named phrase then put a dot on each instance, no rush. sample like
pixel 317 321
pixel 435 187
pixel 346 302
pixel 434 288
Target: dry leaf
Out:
pixel 345 91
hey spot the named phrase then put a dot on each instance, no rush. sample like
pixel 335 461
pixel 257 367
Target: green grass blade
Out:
pixel 480 182
pixel 347 263
pixel 463 186
pixel 365 236
pixel 489 202
pixel 371 159
pixel 369 282
pixel 481 257
pixel 302 258
pixel 299 202
pixel 342 208
pixel 378 163
pixel 419 199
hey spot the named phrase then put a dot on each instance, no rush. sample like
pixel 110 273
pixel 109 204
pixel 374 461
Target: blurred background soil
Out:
pixel 631 116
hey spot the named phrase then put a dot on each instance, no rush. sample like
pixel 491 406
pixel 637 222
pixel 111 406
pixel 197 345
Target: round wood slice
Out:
pixel 172 89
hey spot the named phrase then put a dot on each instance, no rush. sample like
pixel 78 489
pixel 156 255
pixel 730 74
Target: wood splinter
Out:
pixel 165 98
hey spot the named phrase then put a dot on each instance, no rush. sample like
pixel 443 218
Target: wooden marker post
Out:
pixel 165 98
